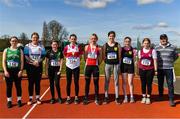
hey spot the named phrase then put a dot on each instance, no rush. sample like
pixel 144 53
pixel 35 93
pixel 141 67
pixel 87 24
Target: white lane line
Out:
pixel 25 116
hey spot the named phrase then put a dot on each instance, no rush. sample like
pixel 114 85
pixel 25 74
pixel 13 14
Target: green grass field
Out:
pixel 82 67
pixel 0 61
pixel 63 69
pixel 177 66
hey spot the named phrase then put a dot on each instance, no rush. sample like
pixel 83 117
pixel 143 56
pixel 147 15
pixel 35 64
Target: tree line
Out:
pixel 52 30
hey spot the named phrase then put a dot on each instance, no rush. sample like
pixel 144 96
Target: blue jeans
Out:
pixel 168 73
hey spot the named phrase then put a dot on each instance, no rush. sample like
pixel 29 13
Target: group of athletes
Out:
pixel 150 61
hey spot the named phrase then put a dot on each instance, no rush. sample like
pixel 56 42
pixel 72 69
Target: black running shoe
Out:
pixel 85 101
pixel 38 101
pixel 68 101
pixel 19 103
pixel 9 104
pixel 117 101
pixel 60 100
pixel 106 100
pixel 52 101
pixel 171 103
pixel 76 101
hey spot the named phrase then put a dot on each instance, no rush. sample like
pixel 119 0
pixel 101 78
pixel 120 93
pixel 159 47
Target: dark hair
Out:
pixel 163 36
pixel 73 35
pixel 95 35
pixel 112 32
pixel 55 41
pixel 35 33
pixel 146 39
pixel 14 37
pixel 127 38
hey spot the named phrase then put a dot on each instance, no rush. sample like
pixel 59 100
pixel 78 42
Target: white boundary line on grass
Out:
pixel 25 116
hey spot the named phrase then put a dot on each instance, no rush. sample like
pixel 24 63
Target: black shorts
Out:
pixel 125 68
pixel 91 70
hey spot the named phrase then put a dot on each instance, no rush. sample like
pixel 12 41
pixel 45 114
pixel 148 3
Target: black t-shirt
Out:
pixel 54 57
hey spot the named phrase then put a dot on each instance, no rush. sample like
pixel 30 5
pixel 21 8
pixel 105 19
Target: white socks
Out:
pixel 9 99
pixel 18 98
pixel 37 96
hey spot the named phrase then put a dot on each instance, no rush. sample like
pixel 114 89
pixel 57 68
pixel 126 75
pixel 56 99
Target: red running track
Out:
pixel 111 110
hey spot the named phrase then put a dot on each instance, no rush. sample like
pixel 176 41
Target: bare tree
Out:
pixel 23 36
pixel 54 29
pixel 63 34
pixel 5 36
pixel 57 31
pixel 138 44
pixel 45 34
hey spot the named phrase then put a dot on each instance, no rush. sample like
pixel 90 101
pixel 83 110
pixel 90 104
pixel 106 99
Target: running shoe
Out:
pixel 9 104
pixel 117 101
pixel 68 101
pixel 52 101
pixel 132 100
pixel 60 100
pixel 143 100
pixel 85 101
pixel 125 100
pixel 106 100
pixel 76 100
pixel 30 102
pixel 38 101
pixel 19 103
pixel 148 101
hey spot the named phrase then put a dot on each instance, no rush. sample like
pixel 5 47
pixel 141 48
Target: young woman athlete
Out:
pixel 93 57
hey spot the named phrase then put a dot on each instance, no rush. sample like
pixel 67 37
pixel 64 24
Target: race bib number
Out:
pixel 12 64
pixel 112 55
pixel 72 60
pixel 127 60
pixel 145 62
pixel 92 55
pixel 54 63
pixel 34 57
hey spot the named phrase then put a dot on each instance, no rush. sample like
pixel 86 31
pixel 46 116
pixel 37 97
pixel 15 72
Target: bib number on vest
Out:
pixel 112 55
pixel 54 63
pixel 72 60
pixel 34 57
pixel 145 62
pixel 12 64
pixel 92 55
pixel 127 60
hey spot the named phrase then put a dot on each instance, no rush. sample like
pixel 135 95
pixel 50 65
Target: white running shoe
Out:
pixel 143 100
pixel 125 100
pixel 132 100
pixel 148 101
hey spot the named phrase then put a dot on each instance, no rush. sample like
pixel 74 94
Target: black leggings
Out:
pixel 53 77
pixel 9 83
pixel 34 78
pixel 92 70
pixel 146 80
pixel 69 73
